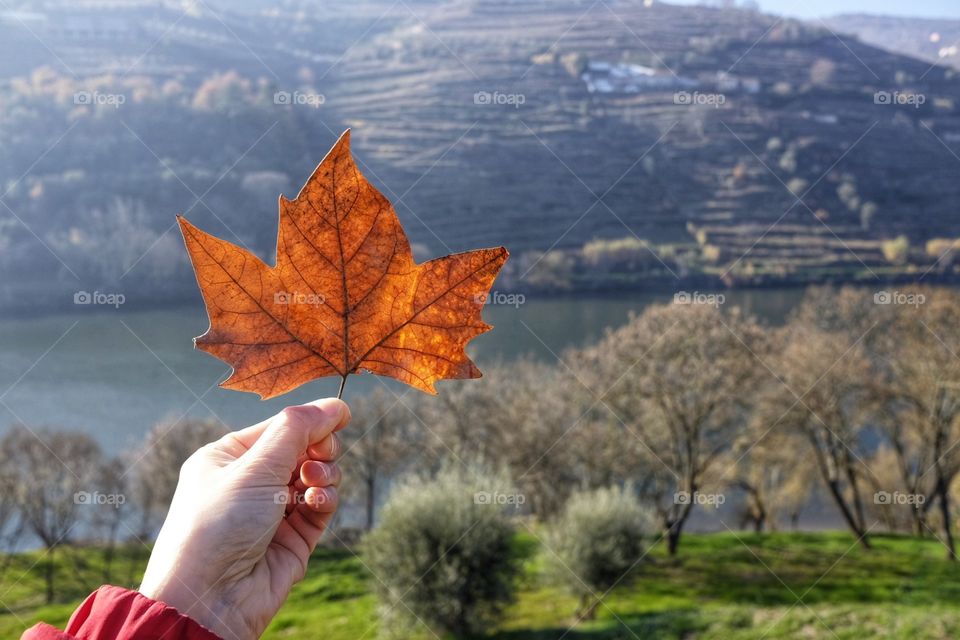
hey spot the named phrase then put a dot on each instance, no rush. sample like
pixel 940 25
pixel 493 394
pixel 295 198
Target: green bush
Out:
pixel 596 541
pixel 442 556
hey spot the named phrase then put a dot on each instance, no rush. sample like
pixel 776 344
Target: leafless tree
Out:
pixel 378 444
pixel 533 419
pixel 106 518
pixel 887 480
pixel 675 378
pixel 155 467
pixel 825 395
pixel 54 474
pixel 763 465
pixel 924 386
pixel 11 520
pixel 911 340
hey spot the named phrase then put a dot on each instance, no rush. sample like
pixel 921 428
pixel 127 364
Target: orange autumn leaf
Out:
pixel 345 295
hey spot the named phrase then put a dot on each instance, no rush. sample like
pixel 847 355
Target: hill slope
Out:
pixel 734 142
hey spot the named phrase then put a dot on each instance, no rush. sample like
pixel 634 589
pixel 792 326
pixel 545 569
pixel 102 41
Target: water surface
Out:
pixel 114 372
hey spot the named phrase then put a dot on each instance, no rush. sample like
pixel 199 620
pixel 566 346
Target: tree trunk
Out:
pixel 48 573
pixel 857 502
pixel 847 514
pixel 943 493
pixel 917 515
pixel 587 609
pixel 674 531
pixel 673 541
pixel 111 549
pixel 371 499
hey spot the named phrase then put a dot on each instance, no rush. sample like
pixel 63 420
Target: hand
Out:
pixel 248 511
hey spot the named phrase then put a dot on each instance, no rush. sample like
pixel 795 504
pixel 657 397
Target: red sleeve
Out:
pixel 112 613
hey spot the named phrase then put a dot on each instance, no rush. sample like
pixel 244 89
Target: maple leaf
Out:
pixel 345 295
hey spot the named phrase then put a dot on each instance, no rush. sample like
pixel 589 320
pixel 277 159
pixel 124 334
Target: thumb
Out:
pixel 286 436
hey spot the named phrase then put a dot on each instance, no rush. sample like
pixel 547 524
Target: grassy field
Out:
pixel 730 586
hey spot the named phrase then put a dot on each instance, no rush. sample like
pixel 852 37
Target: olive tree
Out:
pixel 441 555
pixel 597 540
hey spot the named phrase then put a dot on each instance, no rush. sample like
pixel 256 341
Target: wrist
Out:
pixel 210 610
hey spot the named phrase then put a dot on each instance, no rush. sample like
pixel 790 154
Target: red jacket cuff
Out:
pixel 120 614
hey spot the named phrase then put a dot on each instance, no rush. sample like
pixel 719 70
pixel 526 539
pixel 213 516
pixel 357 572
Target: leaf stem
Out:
pixel 343 382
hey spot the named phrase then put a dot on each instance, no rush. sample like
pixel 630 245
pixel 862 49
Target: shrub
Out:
pixel 797 186
pixel 441 556
pixel 622 253
pixel 897 250
pixel 712 253
pixel 597 540
pixel 868 211
pixel 938 247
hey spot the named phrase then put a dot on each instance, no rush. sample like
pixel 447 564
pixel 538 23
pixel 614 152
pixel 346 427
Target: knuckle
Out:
pixel 196 459
pixel 297 416
pixel 336 447
pixel 331 472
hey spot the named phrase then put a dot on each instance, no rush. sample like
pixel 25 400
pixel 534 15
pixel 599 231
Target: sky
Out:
pixel 821 8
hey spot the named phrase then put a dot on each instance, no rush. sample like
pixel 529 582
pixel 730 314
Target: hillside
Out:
pixel 798 110
pixel 720 145
pixel 933 40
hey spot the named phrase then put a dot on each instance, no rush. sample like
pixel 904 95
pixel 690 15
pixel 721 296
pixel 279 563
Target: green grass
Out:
pixel 721 586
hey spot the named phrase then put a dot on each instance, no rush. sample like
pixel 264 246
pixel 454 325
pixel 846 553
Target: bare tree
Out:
pixel 675 378
pixel 377 445
pixel 763 465
pixel 910 338
pixel 54 475
pixel 895 503
pixel 107 517
pixel 825 396
pixel 533 419
pixel 11 520
pixel 924 389
pixel 155 467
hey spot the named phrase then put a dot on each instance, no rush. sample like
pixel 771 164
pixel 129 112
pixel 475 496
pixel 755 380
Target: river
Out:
pixel 115 372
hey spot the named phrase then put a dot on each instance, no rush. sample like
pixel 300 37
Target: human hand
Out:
pixel 248 511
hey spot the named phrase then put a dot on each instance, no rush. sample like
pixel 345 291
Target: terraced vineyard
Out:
pixel 724 143
pixel 535 172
